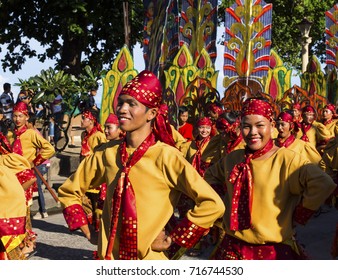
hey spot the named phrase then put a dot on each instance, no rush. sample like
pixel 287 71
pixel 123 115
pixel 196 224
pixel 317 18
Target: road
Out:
pixel 56 242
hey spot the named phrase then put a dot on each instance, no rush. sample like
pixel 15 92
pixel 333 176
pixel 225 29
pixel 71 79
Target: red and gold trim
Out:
pixel 301 214
pixel 187 234
pixel 12 226
pixel 25 175
pixel 39 160
pixel 75 216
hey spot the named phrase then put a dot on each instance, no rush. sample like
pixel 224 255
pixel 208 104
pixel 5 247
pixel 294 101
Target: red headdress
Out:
pixel 21 107
pixel 257 107
pixel 146 88
pixel 331 107
pixel 204 121
pixel 296 106
pixel 215 109
pixel 285 117
pixel 112 119
pixel 308 109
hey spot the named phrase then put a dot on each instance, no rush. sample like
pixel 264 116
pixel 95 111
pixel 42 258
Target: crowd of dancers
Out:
pixel 238 181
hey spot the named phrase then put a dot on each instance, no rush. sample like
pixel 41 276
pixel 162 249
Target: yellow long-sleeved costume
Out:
pixel 158 179
pixel 12 211
pixel 280 182
pixel 35 148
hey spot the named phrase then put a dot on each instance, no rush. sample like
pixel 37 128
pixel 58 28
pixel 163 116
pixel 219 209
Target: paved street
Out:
pixel 56 242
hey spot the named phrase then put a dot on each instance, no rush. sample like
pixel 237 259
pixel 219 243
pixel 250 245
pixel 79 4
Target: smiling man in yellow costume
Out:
pixel 145 176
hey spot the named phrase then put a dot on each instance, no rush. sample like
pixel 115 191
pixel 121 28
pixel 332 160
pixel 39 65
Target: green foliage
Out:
pixel 75 33
pixel 50 83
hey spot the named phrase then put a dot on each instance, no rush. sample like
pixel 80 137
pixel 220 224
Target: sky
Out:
pixel 33 67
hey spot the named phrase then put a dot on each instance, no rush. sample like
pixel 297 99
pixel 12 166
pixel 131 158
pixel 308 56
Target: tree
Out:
pixel 73 32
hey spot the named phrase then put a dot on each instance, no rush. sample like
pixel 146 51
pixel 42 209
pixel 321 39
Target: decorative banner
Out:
pixel 153 37
pixel 247 39
pixel 198 26
pixel 170 40
pixel 331 30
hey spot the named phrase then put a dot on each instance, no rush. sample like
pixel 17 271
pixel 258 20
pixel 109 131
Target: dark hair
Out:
pixel 32 118
pixel 230 117
pixel 7 86
pixel 182 109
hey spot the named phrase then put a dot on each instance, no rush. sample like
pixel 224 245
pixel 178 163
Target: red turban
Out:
pixel 331 107
pixel 89 115
pixel 222 124
pixel 296 106
pixel 204 121
pixel 145 88
pixel 308 109
pixel 215 109
pixel 254 106
pixel 285 117
pixel 112 118
pixel 21 107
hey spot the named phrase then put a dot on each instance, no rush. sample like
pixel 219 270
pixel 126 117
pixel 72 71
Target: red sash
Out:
pixel 305 128
pixel 17 147
pixel 85 149
pixel 197 161
pixel 124 202
pixel 241 178
pixel 287 142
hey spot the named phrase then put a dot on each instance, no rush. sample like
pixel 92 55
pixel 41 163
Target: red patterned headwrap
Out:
pixel 296 106
pixel 146 89
pixel 254 106
pixel 222 124
pixel 285 117
pixel 21 107
pixel 112 118
pixel 308 109
pixel 330 107
pixel 89 115
pixel 204 121
pixel 215 109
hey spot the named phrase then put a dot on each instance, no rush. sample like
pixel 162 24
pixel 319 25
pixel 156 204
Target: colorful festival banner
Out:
pixel 247 39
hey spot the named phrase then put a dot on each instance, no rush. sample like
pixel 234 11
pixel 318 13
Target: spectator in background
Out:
pixel 7 101
pixel 90 103
pixel 43 169
pixel 185 128
pixel 57 119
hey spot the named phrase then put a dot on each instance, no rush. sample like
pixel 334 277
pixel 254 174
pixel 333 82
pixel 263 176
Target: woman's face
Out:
pixel 204 130
pixel 256 131
pixel 284 129
pixel 327 114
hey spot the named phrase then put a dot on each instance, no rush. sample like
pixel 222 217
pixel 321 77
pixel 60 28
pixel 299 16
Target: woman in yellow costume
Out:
pixel 286 138
pixel 267 189
pixel 14 246
pixel 92 137
pixel 145 176
pixel 329 119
